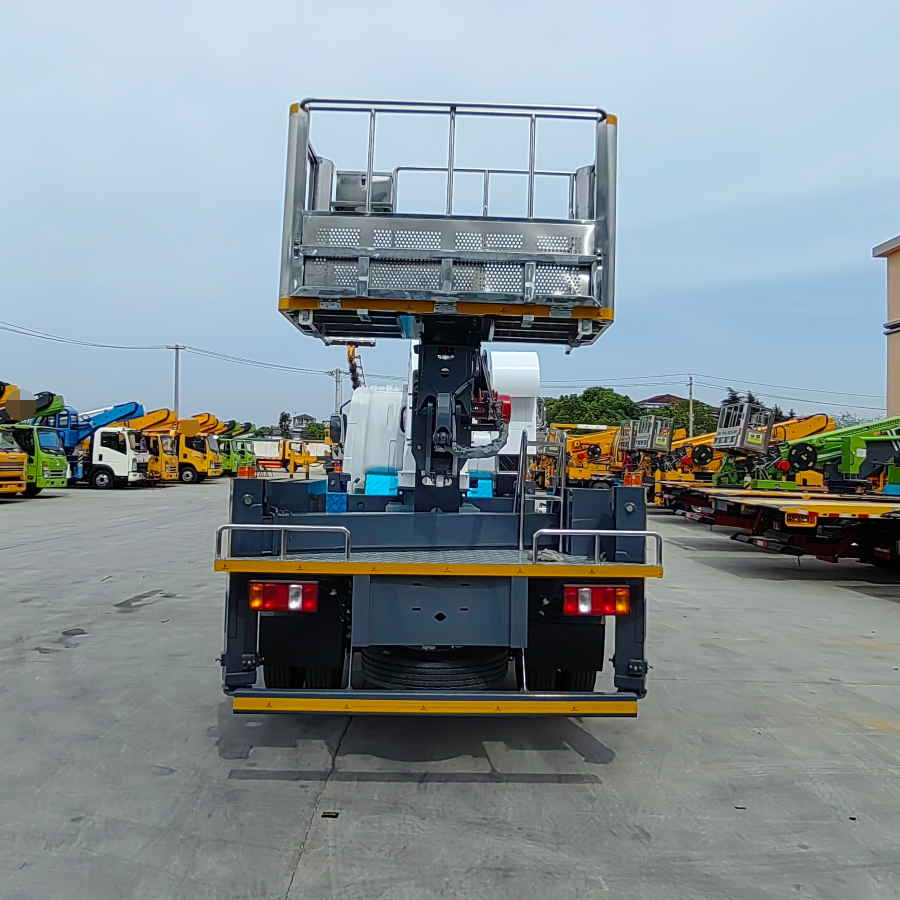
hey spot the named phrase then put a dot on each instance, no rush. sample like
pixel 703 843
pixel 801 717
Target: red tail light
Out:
pixel 596 600
pixel 281 596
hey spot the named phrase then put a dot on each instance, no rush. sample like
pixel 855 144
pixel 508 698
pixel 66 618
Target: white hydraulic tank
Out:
pixel 374 441
pixel 517 374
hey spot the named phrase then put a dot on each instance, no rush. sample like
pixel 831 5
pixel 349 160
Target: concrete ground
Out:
pixel 765 761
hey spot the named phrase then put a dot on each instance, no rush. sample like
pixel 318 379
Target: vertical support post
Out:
pixel 177 394
pixel 690 406
pixel 451 154
pixel 294 196
pixel 531 154
pixel 487 191
pixel 370 163
pixel 338 389
pixel 605 205
pixel 521 475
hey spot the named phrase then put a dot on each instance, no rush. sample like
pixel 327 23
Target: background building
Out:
pixel 890 250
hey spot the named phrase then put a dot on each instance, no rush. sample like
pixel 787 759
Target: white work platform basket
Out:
pixel 360 259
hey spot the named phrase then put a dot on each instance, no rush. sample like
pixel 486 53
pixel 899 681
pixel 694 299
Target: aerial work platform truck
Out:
pixel 430 600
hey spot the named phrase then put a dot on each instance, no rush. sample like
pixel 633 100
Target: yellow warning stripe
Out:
pixel 542 570
pixel 539 311
pixel 425 706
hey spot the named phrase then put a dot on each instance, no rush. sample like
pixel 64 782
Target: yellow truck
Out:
pixel 274 456
pixel 13 462
pixel 198 449
pixel 157 429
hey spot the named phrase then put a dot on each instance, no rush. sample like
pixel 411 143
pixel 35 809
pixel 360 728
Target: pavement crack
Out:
pixel 313 816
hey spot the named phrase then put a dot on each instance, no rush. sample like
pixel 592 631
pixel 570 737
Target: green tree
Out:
pixel 284 424
pixel 595 406
pixel 315 431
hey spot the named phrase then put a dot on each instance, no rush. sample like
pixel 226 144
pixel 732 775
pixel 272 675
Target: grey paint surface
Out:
pixel 773 718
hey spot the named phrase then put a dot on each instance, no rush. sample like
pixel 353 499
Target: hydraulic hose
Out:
pixel 483 452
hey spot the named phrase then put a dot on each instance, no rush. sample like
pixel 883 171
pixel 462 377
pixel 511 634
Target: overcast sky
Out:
pixel 142 150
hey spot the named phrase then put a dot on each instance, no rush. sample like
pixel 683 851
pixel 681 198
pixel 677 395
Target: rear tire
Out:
pixel 278 677
pixel 540 679
pixel 188 475
pixel 31 491
pixel 102 480
pixel 323 677
pixel 578 680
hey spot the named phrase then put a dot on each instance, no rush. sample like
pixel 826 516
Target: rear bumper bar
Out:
pixel 423 703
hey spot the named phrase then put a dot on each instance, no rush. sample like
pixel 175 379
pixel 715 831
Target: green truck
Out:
pixel 47 464
pixel 236 450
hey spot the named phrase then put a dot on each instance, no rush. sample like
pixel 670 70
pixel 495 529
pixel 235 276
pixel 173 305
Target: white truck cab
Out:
pixel 114 456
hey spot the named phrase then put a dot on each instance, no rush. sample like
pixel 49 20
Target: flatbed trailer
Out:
pixel 827 526
pixel 433 601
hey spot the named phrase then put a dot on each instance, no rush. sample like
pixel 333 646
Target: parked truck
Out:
pixel 75 429
pixel 156 427
pixel 236 449
pixel 431 600
pixel 46 464
pixel 113 457
pixel 197 448
pixel 13 465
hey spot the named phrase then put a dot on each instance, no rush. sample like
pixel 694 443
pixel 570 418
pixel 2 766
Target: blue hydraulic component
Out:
pixel 378 485
pixel 481 487
pixel 335 503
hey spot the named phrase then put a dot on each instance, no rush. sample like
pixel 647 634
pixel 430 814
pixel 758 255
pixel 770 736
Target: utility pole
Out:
pixel 338 375
pixel 177 348
pixel 690 406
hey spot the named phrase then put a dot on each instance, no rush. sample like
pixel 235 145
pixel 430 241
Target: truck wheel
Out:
pixel 283 676
pixel 578 680
pixel 540 679
pixel 102 480
pixel 188 475
pixel 323 677
pixel 31 490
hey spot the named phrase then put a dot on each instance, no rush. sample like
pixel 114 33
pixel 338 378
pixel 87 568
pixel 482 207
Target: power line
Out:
pixel 267 365
pixel 790 387
pixel 723 385
pixel 621 381
pixel 804 399
pixel 30 332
